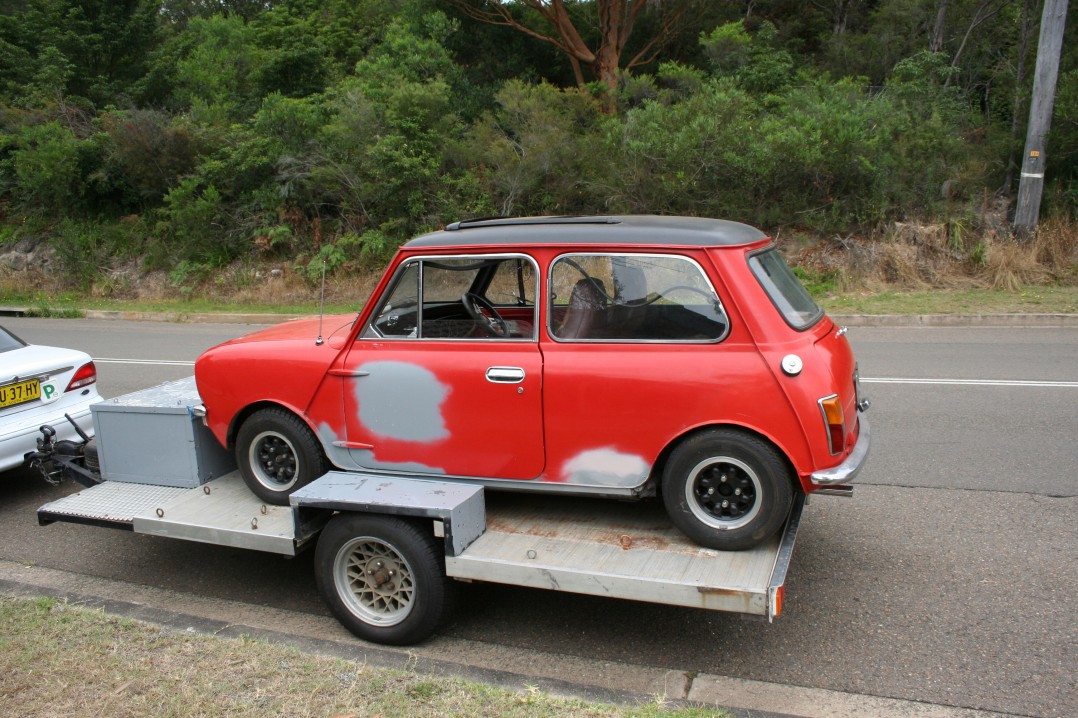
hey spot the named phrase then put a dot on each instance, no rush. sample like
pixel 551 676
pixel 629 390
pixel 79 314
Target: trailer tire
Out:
pixel 727 489
pixel 276 454
pixel 382 577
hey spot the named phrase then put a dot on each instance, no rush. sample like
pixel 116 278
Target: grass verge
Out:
pixel 1027 300
pixel 58 659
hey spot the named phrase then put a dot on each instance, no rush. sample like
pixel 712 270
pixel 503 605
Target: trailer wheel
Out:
pixel 382 577
pixel 276 454
pixel 726 489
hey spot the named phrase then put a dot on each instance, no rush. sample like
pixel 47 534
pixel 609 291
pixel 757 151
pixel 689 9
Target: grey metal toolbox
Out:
pixel 152 437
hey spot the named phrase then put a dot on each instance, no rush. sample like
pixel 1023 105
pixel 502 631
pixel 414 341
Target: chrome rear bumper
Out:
pixel 849 468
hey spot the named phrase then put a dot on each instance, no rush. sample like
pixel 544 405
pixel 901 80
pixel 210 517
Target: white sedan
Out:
pixel 38 385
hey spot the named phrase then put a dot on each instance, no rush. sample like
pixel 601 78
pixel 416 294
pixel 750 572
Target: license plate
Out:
pixel 19 393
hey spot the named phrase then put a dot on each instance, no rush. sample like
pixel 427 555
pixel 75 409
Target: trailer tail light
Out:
pixel 831 408
pixel 85 376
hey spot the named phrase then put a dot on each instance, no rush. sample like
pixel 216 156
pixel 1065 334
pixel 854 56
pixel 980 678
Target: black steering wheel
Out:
pixel 484 313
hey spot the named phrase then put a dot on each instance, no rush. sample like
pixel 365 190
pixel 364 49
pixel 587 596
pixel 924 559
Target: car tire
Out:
pixel 382 577
pixel 727 489
pixel 276 454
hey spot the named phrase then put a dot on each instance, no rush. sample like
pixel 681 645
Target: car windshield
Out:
pixel 9 341
pixel 786 292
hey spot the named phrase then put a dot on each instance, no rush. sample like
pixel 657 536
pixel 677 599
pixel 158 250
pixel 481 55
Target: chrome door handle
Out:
pixel 505 374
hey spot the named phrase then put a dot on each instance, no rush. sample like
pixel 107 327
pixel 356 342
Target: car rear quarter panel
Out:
pixel 826 356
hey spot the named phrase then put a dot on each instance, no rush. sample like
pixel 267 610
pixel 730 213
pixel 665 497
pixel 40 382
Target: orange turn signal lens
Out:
pixel 831 408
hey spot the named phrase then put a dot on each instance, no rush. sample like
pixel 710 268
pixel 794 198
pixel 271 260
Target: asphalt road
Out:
pixel 949 578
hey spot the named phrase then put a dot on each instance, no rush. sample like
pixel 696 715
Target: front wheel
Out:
pixel 726 489
pixel 276 454
pixel 382 577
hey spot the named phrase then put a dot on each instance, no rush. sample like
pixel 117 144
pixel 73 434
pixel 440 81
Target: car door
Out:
pixel 431 387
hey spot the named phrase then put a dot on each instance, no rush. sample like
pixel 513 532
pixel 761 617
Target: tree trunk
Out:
pixel 935 43
pixel 616 19
pixel 1019 83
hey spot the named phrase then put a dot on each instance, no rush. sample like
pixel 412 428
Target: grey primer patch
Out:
pixel 336 455
pixel 606 467
pixel 366 459
pixel 401 401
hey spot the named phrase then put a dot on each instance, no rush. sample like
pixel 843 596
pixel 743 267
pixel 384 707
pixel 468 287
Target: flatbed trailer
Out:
pixel 389 547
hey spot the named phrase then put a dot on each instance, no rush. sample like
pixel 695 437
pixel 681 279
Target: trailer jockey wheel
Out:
pixel 382 577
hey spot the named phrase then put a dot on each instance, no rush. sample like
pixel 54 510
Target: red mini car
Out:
pixel 613 356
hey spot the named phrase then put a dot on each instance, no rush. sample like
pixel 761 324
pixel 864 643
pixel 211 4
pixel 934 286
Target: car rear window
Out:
pixel 785 290
pixel 9 341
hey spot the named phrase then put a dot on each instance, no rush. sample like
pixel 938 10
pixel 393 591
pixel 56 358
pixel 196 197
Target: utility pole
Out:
pixel 1049 48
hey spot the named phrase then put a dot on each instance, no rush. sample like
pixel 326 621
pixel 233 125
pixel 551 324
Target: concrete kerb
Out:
pixel 957 320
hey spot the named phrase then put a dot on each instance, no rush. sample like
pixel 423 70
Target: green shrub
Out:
pixel 47 168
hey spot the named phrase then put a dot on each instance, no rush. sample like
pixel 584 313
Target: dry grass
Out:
pixel 60 660
pixel 904 257
pixel 912 256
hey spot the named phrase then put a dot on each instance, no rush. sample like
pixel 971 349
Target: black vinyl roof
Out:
pixel 633 230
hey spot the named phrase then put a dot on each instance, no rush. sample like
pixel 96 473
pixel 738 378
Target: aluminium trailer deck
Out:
pixel 590 546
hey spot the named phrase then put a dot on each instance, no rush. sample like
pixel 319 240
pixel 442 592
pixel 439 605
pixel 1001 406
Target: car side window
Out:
pixel 470 297
pixel 633 298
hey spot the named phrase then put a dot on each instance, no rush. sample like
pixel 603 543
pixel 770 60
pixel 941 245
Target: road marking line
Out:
pixel 971 382
pixel 162 362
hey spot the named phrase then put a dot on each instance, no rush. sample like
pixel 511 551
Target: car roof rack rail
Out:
pixel 509 221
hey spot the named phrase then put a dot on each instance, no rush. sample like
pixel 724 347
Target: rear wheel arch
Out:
pixel 664 456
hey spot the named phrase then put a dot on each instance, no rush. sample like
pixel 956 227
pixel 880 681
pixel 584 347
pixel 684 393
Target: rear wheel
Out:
pixel 382 577
pixel 276 454
pixel 727 489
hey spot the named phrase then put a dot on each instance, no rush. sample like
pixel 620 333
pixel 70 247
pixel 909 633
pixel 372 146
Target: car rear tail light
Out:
pixel 831 408
pixel 85 376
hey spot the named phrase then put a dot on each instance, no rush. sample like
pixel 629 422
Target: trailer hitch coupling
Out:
pixel 57 460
